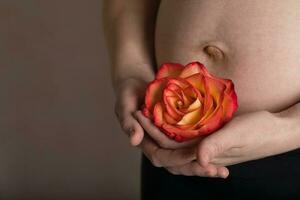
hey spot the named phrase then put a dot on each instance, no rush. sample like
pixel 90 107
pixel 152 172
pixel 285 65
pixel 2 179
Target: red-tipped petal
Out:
pixel 169 70
pixel 146 113
pixel 179 134
pixel 230 105
pixel 193 68
pixel 154 93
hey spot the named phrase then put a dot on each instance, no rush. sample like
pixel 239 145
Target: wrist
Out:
pixel 138 72
pixel 289 126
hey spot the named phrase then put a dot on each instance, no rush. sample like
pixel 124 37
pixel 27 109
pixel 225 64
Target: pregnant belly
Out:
pixel 254 43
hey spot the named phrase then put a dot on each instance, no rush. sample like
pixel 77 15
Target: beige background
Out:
pixel 59 138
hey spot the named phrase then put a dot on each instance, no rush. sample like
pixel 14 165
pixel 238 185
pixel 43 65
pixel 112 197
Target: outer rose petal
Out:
pixel 169 70
pixel 154 93
pixel 230 105
pixel 193 68
pixel 178 134
pixel 147 113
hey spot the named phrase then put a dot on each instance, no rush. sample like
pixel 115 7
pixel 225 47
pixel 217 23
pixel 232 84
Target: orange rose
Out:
pixel 187 101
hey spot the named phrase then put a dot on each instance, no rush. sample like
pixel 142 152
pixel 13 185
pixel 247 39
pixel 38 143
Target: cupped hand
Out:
pixel 177 158
pixel 246 137
pixel 130 95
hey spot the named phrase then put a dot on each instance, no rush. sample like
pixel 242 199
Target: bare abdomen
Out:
pixel 255 43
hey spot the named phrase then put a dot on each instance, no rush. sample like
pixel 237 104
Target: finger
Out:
pixel 137 133
pixel 227 161
pixel 131 127
pixel 124 109
pixel 194 169
pixel 223 172
pixel 166 157
pixel 163 140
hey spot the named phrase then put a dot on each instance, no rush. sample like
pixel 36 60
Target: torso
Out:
pixel 252 42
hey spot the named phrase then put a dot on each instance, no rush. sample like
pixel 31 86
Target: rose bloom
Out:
pixel 185 102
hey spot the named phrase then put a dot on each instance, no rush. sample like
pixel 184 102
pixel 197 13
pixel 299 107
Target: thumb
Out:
pixel 208 149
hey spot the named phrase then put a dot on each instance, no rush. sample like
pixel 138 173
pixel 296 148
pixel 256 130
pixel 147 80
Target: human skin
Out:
pixel 254 43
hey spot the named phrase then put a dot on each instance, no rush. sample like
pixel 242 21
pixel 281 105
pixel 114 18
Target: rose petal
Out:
pixel 194 68
pixel 147 113
pixel 212 123
pixel 173 87
pixel 158 114
pixel 195 105
pixel 170 91
pixel 179 134
pixel 198 81
pixel 191 117
pixel 208 106
pixel 169 119
pixel 169 70
pixel 154 93
pixel 170 104
pixel 215 87
pixel 180 82
pixel 230 105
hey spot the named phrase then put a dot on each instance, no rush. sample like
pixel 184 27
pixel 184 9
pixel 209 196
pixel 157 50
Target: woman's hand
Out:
pixel 246 137
pixel 177 158
pixel 129 97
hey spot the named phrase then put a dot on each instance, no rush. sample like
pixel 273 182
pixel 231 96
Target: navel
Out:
pixel 214 52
